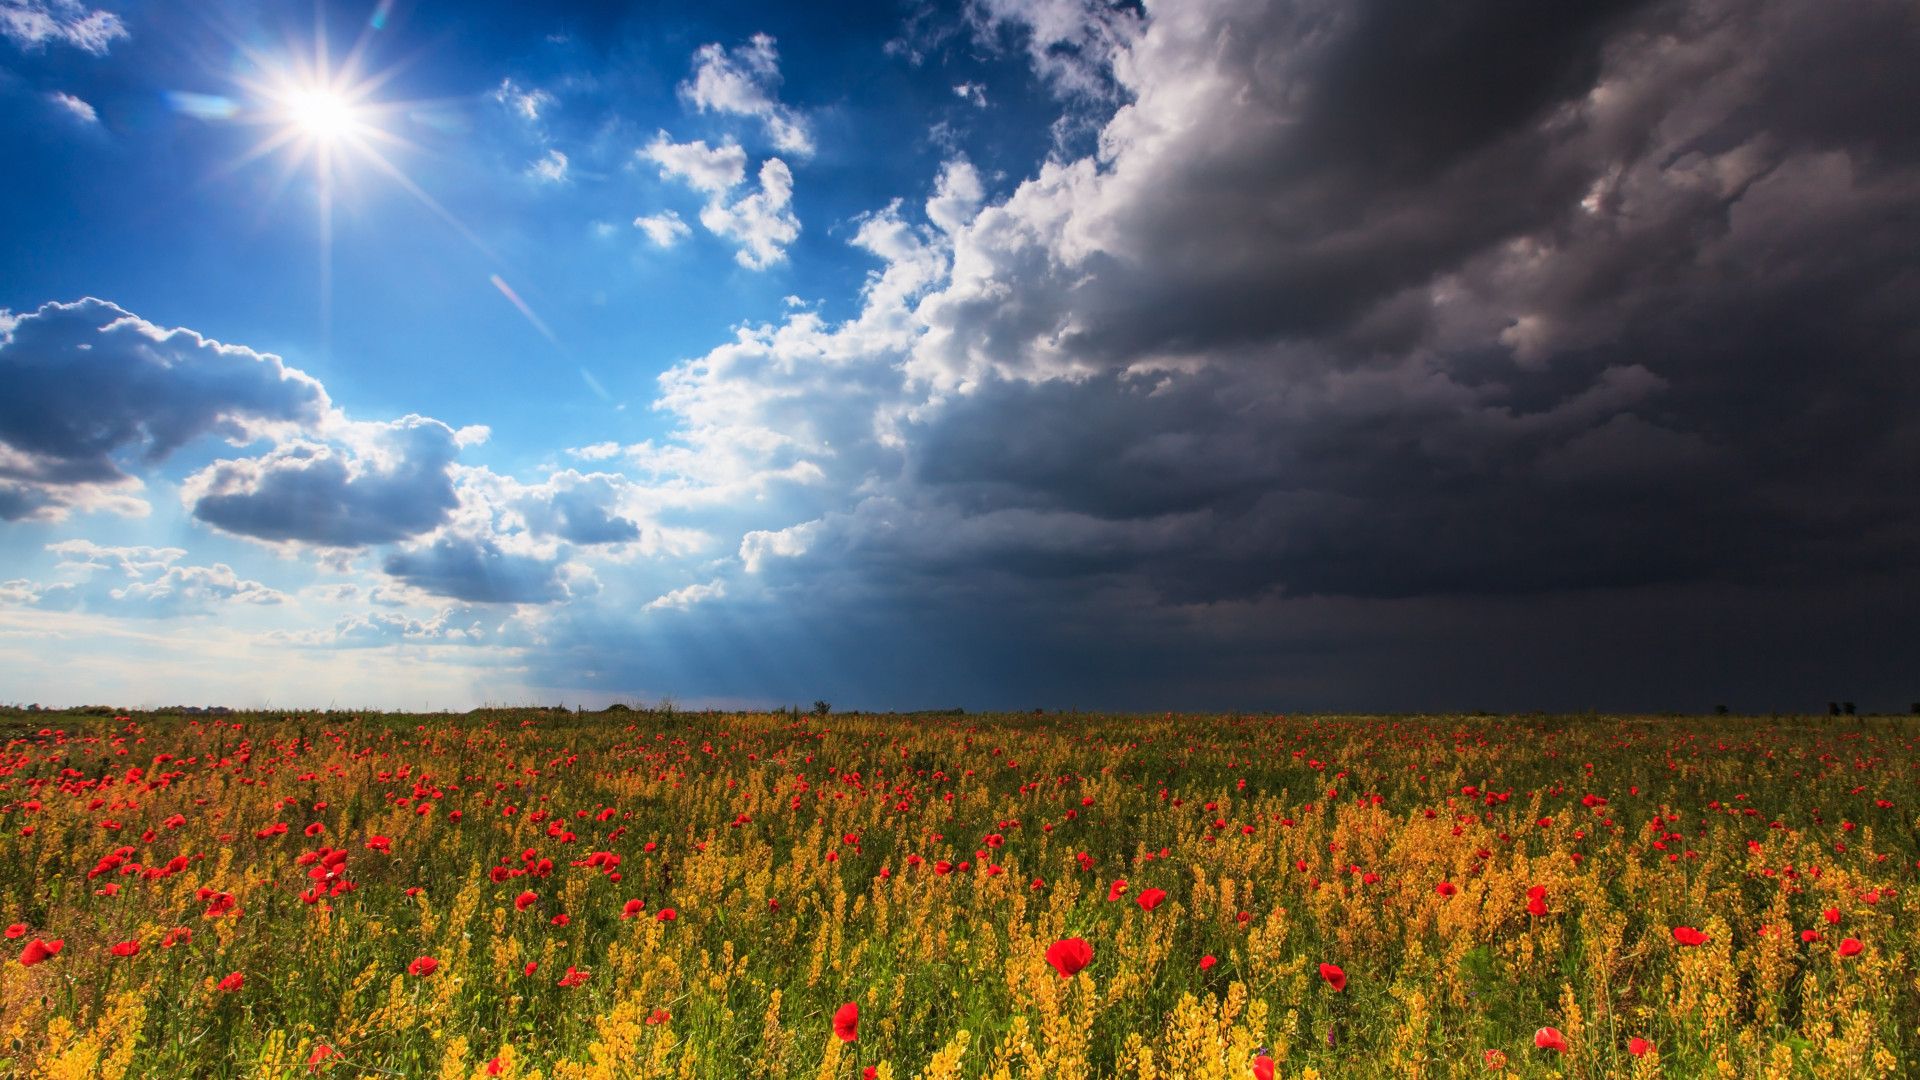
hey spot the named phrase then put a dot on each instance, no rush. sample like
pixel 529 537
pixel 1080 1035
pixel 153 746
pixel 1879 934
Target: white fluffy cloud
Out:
pixel 551 169
pixel 76 108
pixel 31 24
pixel 743 82
pixel 526 104
pixel 138 581
pixel 684 598
pixel 715 170
pixel 665 229
pixel 761 222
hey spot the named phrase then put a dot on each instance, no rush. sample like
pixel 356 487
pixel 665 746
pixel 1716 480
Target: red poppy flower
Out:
pixel 1151 898
pixel 127 948
pixel 1550 1039
pixel 659 1016
pixel 1117 890
pixel 1335 977
pixel 531 967
pixel 1810 936
pixel 1263 1068
pixel 667 914
pixel 1207 962
pixel 233 982
pixel 631 908
pixel 846 1022
pixel 574 977
pixel 1638 1047
pixel 869 1073
pixel 1851 947
pixel 561 919
pixel 525 900
pixel 320 1054
pixel 1687 935
pixel 179 935
pixel 381 844
pixel 16 930
pixel 316 829
pixel 423 966
pixel 1068 957
pixel 1832 915
pixel 38 950
pixel 494 1068
pixel 1445 888
pixel 1537 900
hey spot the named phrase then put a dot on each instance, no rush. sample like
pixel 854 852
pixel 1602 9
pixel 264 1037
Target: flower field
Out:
pixel 542 894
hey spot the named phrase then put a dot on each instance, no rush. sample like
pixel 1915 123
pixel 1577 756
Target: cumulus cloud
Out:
pixel 480 570
pixel 137 581
pixel 31 24
pixel 551 169
pixel 76 108
pixel 665 228
pixel 743 82
pixel 683 598
pixel 715 170
pixel 448 625
pixel 88 383
pixel 1360 300
pixel 526 104
pixel 382 484
pixel 761 222
pixel 1072 44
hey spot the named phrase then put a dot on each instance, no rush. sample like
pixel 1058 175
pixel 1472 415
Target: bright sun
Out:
pixel 322 114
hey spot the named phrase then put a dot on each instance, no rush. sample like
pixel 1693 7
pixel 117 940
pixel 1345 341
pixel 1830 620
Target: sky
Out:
pixel 1284 355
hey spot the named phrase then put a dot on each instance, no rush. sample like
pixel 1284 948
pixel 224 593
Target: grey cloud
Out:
pixel 376 629
pixel 1388 300
pixel 88 382
pixel 1372 303
pixel 399 484
pixel 579 509
pixel 479 570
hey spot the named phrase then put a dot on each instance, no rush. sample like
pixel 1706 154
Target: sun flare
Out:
pixel 321 114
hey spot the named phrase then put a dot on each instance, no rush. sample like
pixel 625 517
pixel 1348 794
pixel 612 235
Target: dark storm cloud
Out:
pixel 397 485
pixel 1387 300
pixel 85 383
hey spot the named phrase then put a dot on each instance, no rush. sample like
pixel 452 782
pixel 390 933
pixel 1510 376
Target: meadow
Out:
pixel 544 894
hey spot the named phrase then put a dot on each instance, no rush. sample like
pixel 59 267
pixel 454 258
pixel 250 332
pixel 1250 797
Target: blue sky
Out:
pixel 1222 353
